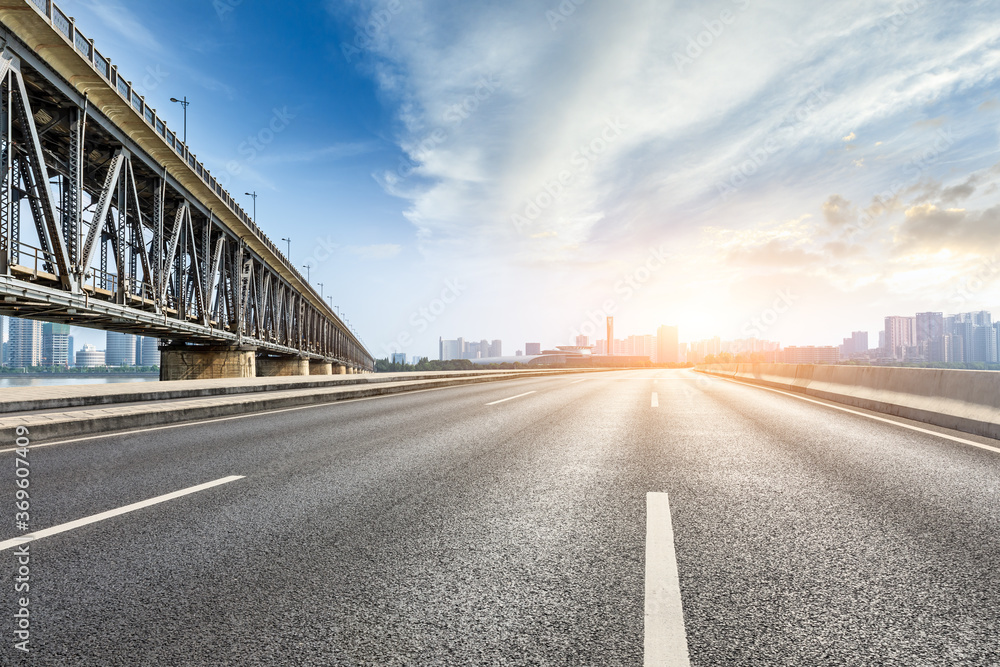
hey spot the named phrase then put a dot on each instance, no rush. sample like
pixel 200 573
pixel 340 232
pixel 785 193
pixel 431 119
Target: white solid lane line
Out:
pixel 511 398
pixel 575 381
pixel 655 403
pixel 61 528
pixel 665 643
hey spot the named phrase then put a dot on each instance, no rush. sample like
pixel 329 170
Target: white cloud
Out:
pixel 751 131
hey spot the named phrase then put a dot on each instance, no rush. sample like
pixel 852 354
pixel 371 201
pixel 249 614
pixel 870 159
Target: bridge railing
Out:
pixel 65 25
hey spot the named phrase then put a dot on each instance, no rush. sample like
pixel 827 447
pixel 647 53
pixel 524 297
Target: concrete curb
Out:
pixel 45 427
pixel 76 396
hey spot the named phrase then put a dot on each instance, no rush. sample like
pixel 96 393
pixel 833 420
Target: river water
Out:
pixel 9 381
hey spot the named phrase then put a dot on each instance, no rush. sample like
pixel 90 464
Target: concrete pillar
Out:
pixel 189 362
pixel 339 370
pixel 281 366
pixel 318 367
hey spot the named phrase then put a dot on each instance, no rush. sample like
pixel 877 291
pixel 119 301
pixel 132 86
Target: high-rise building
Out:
pixel 70 354
pixel 25 342
pixel 496 348
pixel 859 340
pixel 900 333
pixel 451 349
pixel 611 335
pixel 120 349
pixel 582 341
pixel 150 352
pixel 55 344
pixel 532 348
pixel 667 345
pixel 398 358
pixel 89 357
pixel 984 344
pixel 957 349
pixel 929 326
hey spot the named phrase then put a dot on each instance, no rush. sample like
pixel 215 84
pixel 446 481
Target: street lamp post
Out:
pixel 289 242
pixel 254 195
pixel 184 103
pixel 307 267
pixel 320 290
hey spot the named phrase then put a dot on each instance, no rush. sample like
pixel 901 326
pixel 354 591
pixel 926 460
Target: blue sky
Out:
pixel 517 169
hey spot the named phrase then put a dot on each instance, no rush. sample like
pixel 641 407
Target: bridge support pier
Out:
pixel 191 362
pixel 339 370
pixel 281 366
pixel 317 367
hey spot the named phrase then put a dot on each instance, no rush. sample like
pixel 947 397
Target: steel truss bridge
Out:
pixel 108 221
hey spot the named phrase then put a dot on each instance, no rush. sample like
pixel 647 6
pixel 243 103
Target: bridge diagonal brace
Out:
pixel 175 238
pixel 103 208
pixel 36 161
pixel 138 238
pixel 213 296
pixel 199 292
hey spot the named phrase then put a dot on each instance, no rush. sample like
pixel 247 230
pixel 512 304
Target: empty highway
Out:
pixel 506 524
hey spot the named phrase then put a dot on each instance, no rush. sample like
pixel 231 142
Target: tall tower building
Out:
pixel 120 349
pixel 667 345
pixel 150 351
pixel 25 342
pixel 900 333
pixel 611 335
pixel 55 344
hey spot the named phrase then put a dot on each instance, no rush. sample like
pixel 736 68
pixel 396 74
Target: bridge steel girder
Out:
pixel 138 240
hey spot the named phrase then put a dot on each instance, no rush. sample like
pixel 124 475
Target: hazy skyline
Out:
pixel 509 170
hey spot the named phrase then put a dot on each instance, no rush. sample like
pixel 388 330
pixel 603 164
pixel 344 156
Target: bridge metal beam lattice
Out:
pixel 96 231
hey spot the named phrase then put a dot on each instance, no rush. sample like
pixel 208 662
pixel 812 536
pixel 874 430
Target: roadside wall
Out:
pixel 959 399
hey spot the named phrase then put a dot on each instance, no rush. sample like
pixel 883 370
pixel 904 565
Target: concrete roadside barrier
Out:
pixel 84 410
pixel 963 400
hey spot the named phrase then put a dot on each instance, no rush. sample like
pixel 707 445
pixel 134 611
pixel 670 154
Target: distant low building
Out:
pixel 811 355
pixel 89 357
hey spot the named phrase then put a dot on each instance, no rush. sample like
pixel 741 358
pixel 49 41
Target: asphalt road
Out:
pixel 434 529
